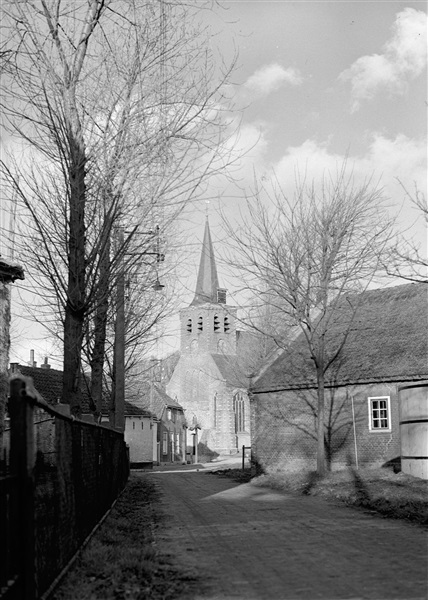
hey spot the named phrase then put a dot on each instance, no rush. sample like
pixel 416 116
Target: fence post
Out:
pixel 22 460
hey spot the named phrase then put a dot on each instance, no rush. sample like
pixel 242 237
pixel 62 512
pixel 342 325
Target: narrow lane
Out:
pixel 253 543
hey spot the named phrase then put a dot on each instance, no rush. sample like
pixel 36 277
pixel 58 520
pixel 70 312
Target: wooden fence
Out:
pixel 62 476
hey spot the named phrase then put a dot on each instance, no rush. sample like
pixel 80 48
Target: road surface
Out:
pixel 252 543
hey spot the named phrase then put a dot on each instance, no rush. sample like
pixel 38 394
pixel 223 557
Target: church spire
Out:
pixel 207 283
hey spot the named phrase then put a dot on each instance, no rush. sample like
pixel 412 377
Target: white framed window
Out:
pixel 379 413
pixel 165 442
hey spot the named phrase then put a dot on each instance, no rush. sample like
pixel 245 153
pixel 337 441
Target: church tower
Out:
pixel 207 380
pixel 208 324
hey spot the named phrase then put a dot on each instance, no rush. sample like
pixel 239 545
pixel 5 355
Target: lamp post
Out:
pixel 194 430
pixel 117 415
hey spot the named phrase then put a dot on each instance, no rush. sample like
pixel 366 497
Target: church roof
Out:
pixel 387 342
pixel 231 370
pixel 207 283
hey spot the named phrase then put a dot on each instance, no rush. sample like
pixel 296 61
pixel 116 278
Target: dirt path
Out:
pixel 253 543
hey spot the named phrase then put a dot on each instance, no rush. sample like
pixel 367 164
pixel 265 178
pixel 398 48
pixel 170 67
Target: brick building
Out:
pixel 386 348
pixel 208 380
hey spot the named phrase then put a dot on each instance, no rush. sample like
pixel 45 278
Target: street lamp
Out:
pixel 194 429
pixel 117 421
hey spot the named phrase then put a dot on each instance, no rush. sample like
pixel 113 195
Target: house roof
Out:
pixel 48 382
pixel 131 410
pixel 157 401
pixel 387 342
pixel 231 370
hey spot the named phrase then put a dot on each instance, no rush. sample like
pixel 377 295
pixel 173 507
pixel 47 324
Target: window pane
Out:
pixel 379 413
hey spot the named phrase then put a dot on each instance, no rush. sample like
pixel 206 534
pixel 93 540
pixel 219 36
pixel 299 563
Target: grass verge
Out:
pixel 121 560
pixel 393 495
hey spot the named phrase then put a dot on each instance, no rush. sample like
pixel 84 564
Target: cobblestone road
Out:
pixel 252 543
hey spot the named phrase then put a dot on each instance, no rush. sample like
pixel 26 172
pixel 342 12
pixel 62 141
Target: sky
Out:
pixel 322 81
pixel 316 81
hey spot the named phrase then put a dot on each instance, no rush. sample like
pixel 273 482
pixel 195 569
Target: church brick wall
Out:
pixel 208 338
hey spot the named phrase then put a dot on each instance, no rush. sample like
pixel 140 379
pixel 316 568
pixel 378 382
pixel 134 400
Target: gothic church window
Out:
pixel 239 411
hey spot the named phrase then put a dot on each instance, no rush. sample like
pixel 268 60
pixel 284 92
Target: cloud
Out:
pixel 391 162
pixel 387 159
pixel 404 58
pixel 270 77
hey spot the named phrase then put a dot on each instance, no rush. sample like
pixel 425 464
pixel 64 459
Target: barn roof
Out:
pixel 387 342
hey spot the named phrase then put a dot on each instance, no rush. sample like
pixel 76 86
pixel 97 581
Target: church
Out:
pixel 209 379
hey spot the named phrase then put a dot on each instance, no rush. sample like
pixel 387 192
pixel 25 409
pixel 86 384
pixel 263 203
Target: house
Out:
pixel 209 380
pixel 141 426
pixel 171 428
pixel 385 352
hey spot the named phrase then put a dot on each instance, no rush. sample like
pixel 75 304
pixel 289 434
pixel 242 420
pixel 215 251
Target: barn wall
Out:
pixel 284 426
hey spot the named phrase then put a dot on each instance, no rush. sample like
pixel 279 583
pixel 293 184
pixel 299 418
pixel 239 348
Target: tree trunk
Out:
pixel 75 305
pixel 320 422
pixel 100 326
pixel 73 335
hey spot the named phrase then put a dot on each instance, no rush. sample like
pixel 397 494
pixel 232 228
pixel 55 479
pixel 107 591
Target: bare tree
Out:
pixel 407 260
pixel 118 108
pixel 305 255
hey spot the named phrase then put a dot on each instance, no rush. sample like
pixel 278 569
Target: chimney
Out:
pixel 45 365
pixel 32 362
